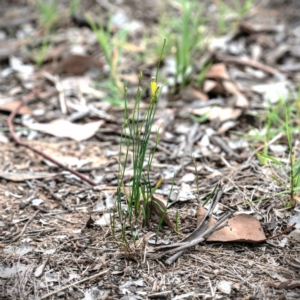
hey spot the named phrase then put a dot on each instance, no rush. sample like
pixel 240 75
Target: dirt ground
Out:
pixel 55 236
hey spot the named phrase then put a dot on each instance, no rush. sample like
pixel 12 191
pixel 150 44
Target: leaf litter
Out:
pixel 57 218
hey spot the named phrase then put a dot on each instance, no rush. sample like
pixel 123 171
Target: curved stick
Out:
pixel 46 156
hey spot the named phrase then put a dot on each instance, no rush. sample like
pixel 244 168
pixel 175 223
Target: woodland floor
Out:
pixel 53 225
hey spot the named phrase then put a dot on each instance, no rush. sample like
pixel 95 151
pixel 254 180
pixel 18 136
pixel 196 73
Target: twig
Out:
pixel 247 62
pixel 200 233
pixel 74 283
pixel 196 241
pixel 63 220
pixel 160 295
pixel 224 146
pixel 55 196
pixel 25 226
pixel 46 156
pixel 24 203
pixel 278 235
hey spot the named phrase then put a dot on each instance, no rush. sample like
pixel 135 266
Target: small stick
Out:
pixel 24 203
pixel 197 240
pixel 55 196
pixel 278 235
pixel 25 226
pixel 46 156
pixel 247 62
pixel 224 146
pixel 159 294
pixel 74 283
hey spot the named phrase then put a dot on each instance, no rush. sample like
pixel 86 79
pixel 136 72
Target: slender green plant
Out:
pixel 272 123
pixel 202 74
pixel 189 40
pixel 292 172
pixel 48 17
pixel 39 54
pixel 186 39
pixel 235 11
pixel 48 14
pixel 112 48
pixel 200 119
pixel 211 195
pixel 135 134
pixel 297 104
pixel 73 6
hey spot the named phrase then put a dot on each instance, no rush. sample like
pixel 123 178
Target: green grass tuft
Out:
pixel 135 136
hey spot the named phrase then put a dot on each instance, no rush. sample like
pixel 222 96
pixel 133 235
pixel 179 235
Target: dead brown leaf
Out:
pixel 192 94
pixel 22 176
pixel 218 71
pixel 209 85
pixel 158 209
pixel 63 128
pixel 220 113
pixel 286 285
pixel 77 64
pixel 241 100
pixel 12 105
pixel 240 228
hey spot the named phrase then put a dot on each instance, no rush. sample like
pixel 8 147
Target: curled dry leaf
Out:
pixel 63 128
pixel 219 72
pixel 192 94
pixel 240 228
pixel 241 100
pixel 209 85
pixel 158 209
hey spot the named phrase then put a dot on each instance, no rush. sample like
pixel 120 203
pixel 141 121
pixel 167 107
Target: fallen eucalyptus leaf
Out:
pixel 240 228
pixel 22 176
pixel 63 128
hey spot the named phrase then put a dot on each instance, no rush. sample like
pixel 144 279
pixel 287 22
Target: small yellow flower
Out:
pixel 153 87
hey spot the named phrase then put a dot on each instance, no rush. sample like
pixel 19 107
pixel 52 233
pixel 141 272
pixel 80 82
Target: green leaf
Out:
pixel 273 159
pixel 210 195
pixel 287 129
pixel 278 180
